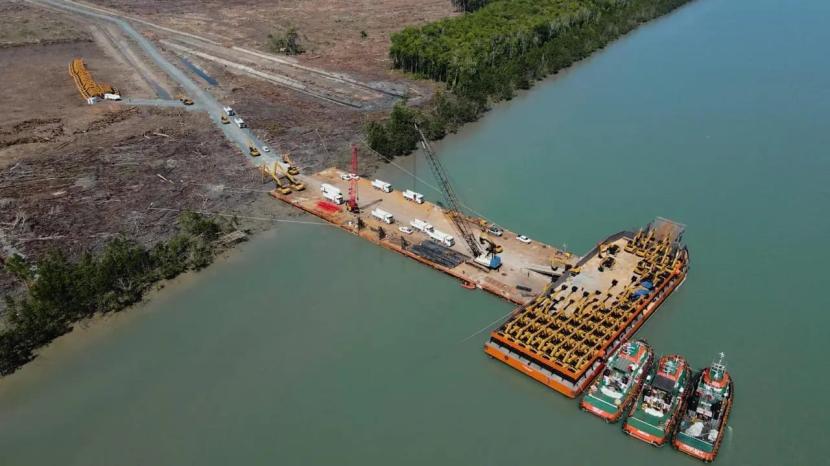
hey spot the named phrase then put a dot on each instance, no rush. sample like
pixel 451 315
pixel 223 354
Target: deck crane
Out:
pixel 351 205
pixel 488 257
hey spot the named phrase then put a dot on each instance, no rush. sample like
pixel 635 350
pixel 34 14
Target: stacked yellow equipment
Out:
pixel 84 82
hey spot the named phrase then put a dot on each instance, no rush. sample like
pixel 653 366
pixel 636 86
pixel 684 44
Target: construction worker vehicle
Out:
pixel 253 150
pixel 185 100
pixel 292 169
pixel 295 184
pixel 225 120
pixel 271 172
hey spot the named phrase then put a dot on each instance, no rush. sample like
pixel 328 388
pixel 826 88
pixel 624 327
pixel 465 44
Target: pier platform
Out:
pixel 526 271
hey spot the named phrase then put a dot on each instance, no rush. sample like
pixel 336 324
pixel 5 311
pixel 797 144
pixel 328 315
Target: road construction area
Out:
pixel 526 268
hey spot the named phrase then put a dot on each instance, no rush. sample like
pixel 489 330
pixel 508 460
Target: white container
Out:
pixel 240 122
pixel 411 195
pixel 228 111
pixel 382 185
pixel 383 216
pixel 421 225
pixel 442 237
pixel 109 96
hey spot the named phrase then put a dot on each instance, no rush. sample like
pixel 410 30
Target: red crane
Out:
pixel 352 204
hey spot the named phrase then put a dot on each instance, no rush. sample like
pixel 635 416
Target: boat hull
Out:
pixel 707 456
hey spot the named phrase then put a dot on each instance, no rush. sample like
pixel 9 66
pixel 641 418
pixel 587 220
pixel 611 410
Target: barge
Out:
pixel 563 336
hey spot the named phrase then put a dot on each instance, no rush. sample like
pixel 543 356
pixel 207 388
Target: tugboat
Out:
pixel 653 417
pixel 617 387
pixel 701 430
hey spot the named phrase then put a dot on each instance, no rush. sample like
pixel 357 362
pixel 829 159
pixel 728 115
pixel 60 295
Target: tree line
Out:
pixel 60 291
pixel 485 56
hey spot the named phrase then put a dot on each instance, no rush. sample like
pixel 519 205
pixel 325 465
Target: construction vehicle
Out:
pixel 253 150
pixel 239 122
pixel 228 111
pixel 489 244
pixel 295 184
pixel 292 169
pixel 487 258
pixel 332 193
pixel 411 195
pixel 225 120
pixel 383 216
pixel 185 100
pixel 271 172
pixel 382 186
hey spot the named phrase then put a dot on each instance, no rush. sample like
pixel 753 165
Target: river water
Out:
pixel 311 347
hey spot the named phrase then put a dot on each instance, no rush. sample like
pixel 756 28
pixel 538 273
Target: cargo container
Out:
pixel 331 193
pixel 441 237
pixel 421 225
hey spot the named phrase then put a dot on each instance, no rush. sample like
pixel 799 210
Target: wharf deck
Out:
pixel 526 271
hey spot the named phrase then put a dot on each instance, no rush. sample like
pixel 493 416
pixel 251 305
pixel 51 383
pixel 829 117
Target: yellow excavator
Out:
pixel 185 100
pixel 295 184
pixel 252 149
pixel 271 172
pixel 292 169
pixel 491 245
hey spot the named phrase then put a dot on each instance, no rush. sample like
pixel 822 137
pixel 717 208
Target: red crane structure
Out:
pixel 352 206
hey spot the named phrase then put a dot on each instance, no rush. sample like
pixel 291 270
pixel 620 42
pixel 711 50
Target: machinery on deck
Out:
pixel 295 184
pixel 488 257
pixel 292 169
pixel 271 172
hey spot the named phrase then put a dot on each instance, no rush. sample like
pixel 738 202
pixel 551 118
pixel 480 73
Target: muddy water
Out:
pixel 309 346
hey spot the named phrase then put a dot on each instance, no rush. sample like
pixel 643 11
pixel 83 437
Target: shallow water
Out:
pixel 309 346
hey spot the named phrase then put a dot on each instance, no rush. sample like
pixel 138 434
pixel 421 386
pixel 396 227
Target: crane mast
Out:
pixel 453 204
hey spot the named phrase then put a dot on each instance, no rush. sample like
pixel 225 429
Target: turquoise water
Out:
pixel 311 347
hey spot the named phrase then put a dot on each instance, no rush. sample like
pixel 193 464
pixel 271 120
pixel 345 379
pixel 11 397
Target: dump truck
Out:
pixel 331 193
pixel 383 216
pixel 382 186
pixel 441 237
pixel 411 195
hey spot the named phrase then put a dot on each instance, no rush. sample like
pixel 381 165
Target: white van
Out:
pixel 382 185
pixel 331 193
pixel 421 225
pixel 411 195
pixel 383 216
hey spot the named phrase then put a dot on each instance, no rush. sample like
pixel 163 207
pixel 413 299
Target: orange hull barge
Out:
pixel 526 270
pixel 561 339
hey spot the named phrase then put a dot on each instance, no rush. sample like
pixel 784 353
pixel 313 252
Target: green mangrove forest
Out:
pixel 60 291
pixel 484 56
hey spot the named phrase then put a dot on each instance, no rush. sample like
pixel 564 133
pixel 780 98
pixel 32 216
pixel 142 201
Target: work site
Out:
pixel 118 117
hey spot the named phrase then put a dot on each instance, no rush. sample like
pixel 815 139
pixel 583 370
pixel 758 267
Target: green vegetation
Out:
pixel 288 43
pixel 485 56
pixel 469 5
pixel 60 292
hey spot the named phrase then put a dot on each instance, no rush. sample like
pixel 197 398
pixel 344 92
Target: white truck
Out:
pixel 382 185
pixel 228 111
pixel 112 96
pixel 422 226
pixel 383 216
pixel 411 195
pixel 240 122
pixel 442 237
pixel 331 193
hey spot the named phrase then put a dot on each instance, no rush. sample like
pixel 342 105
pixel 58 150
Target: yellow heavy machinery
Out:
pixel 84 82
pixel 295 184
pixel 224 119
pixel 292 169
pixel 185 100
pixel 271 172
pixel 253 150
pixel 491 245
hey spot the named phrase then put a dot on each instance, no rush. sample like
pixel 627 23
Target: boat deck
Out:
pixel 526 271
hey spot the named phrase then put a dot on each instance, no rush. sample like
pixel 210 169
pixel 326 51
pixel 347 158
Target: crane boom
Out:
pixel 453 204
